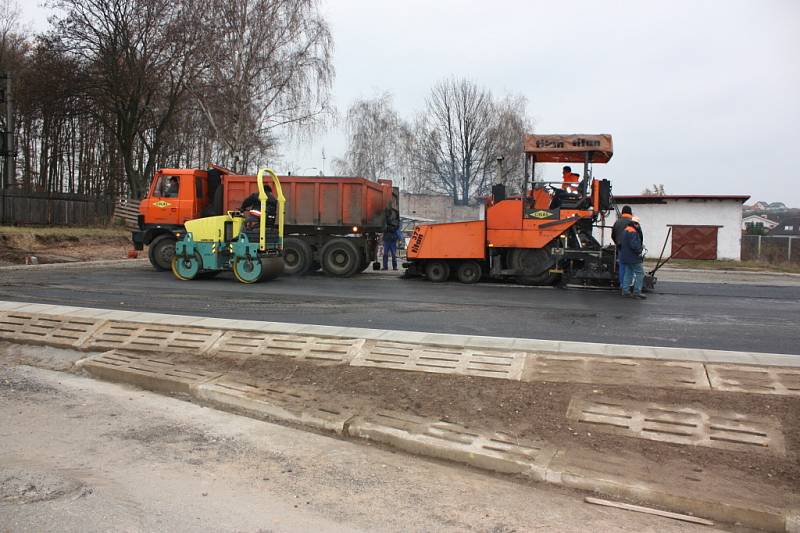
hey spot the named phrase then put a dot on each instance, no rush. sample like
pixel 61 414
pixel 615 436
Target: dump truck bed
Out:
pixel 335 204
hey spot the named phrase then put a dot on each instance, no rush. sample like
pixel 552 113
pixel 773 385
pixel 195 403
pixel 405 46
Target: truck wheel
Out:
pixel 437 271
pixel 469 272
pixel 296 256
pixel 160 252
pixel 340 258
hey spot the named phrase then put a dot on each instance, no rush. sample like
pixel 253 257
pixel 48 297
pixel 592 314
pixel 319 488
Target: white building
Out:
pixel 758 222
pixel 693 226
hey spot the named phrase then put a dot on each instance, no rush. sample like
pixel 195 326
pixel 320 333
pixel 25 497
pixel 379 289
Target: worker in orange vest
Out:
pixel 570 180
pixel 616 236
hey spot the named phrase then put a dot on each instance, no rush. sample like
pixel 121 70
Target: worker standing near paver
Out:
pixel 390 238
pixel 631 257
pixel 616 236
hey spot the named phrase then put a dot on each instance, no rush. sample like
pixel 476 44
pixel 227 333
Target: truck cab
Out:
pixel 175 196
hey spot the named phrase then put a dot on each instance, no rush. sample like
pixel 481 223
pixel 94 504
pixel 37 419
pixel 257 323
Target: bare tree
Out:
pixel 377 137
pixel 269 69
pixel 453 145
pixel 139 56
pixel 511 123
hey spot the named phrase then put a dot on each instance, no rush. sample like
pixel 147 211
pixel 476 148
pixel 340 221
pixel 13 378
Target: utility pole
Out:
pixel 323 160
pixel 9 149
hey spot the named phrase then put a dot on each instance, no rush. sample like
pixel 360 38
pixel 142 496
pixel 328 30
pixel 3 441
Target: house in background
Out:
pixel 686 226
pixel 757 224
pixel 787 227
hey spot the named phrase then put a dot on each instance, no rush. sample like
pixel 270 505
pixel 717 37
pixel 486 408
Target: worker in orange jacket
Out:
pixel 631 255
pixel 570 180
pixel 616 236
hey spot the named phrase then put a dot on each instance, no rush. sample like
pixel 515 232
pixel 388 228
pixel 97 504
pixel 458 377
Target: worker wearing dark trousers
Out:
pixel 631 256
pixel 390 238
pixel 616 236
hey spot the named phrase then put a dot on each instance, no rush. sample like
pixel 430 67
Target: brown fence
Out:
pixel 54 209
pixel 128 211
pixel 772 249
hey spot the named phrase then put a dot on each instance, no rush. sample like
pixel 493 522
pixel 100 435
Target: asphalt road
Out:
pixel 742 317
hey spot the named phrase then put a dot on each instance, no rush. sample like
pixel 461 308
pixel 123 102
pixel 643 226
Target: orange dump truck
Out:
pixel 333 223
pixel 544 237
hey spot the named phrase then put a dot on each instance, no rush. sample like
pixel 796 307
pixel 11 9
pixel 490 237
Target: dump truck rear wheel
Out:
pixel 161 251
pixel 469 272
pixel 437 271
pixel 297 256
pixel 340 258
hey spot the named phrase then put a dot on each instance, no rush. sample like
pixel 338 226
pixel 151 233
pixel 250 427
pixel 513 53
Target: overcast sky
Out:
pixel 702 96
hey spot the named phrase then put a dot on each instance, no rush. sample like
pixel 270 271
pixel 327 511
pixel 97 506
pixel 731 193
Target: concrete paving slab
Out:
pixel 147 337
pixel 643 372
pixel 258 400
pixel 679 424
pixel 497 452
pixel 146 372
pixel 441 359
pixel 52 330
pixel 760 380
pixel 242 345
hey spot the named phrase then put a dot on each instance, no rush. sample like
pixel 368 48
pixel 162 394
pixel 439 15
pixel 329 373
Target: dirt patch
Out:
pixel 528 410
pixel 22 486
pixel 60 247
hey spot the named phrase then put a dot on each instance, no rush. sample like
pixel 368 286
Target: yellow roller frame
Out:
pixel 262 197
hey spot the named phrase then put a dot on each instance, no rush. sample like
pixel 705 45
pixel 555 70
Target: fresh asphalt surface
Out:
pixel 741 317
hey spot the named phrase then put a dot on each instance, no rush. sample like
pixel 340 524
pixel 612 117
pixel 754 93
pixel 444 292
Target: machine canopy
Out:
pixel 569 148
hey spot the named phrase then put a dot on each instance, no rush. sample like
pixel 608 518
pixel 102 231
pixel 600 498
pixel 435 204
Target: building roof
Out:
pixel 660 199
pixel 759 217
pixel 794 223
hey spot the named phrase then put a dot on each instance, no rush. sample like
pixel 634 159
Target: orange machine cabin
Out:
pixel 175 196
pixel 515 223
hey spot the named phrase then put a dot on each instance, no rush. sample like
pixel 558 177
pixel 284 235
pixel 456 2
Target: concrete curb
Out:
pixel 496 452
pixel 731 271
pixel 437 339
pixel 79 264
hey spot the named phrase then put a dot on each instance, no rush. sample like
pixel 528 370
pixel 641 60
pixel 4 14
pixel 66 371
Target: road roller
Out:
pixel 248 244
